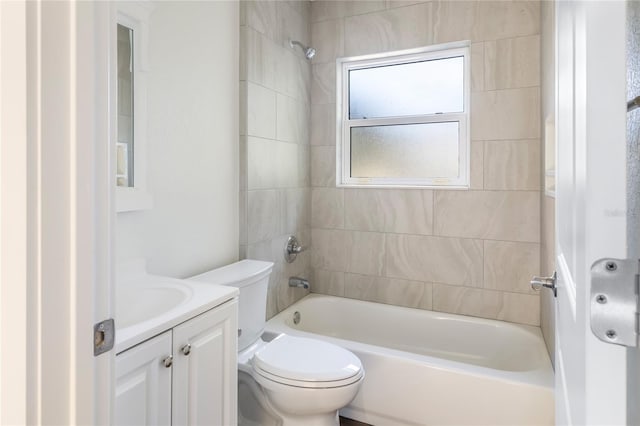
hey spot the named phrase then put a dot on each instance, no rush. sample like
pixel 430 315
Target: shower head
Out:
pixel 309 52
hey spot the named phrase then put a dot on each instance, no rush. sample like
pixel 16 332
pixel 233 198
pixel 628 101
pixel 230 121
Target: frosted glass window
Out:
pixel 403 118
pixel 413 151
pixel 426 87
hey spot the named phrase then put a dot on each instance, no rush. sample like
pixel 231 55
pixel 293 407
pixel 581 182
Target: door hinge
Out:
pixel 104 336
pixel 614 301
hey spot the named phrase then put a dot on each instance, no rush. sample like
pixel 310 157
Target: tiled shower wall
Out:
pixel 274 140
pixel 470 252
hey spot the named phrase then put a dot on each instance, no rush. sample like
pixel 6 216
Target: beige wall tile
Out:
pixel 261 58
pixel 512 63
pixel 271 164
pixel 304 166
pixel 506 114
pixel 510 266
pixel 477 67
pixel 328 282
pixel 453 20
pixel 432 259
pixel 393 29
pixel 328 40
pixel 327 208
pixel 512 164
pixel 365 252
pixel 323 166
pixel 467 301
pixel 504 19
pixel 296 207
pixel 292 72
pixel 331 9
pixel 412 294
pixel 513 307
pixel 261 111
pixel 328 249
pixel 521 308
pixel 399 211
pixel 497 215
pixel 323 83
pixel 363 209
pixel 242 237
pixel 291 26
pixel 262 16
pixel 402 3
pixel 323 124
pixel 477 165
pixel 263 213
pixel 243 108
pixel 242 167
pixel 408 211
pixel 292 120
pixel 302 7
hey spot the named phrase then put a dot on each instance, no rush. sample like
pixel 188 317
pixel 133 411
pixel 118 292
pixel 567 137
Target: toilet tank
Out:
pixel 251 277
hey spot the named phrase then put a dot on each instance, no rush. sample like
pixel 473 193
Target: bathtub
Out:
pixel 431 368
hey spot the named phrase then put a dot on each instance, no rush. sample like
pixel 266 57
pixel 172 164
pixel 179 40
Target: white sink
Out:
pixel 139 302
pixel 147 305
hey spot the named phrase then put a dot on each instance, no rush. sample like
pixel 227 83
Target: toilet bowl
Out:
pixel 283 380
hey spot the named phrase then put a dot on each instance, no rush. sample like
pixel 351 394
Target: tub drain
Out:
pixel 296 317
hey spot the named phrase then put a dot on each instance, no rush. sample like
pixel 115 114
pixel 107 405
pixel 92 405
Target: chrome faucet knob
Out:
pixel 292 249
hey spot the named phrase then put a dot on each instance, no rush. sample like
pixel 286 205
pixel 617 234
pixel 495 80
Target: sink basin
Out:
pixel 139 302
pixel 147 305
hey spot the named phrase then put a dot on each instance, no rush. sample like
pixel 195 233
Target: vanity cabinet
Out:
pixel 184 376
pixel 205 369
pixel 143 383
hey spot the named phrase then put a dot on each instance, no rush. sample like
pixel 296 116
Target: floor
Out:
pixel 349 422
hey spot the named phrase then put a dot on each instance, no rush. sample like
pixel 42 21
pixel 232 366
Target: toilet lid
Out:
pixel 310 360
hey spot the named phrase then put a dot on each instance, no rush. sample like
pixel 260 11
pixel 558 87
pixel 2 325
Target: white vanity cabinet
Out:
pixel 143 383
pixel 184 376
pixel 205 368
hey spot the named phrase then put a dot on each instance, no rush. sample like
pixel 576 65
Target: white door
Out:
pixel 55 215
pixel 590 204
pixel 205 368
pixel 143 383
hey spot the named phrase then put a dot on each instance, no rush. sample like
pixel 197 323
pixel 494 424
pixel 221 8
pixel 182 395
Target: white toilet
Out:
pixel 283 380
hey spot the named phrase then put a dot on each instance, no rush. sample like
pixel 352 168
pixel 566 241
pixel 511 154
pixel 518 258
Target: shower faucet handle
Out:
pixel 292 249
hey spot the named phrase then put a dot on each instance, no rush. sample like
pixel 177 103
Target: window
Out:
pixel 403 118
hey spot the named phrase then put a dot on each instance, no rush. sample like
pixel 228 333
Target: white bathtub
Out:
pixel 430 368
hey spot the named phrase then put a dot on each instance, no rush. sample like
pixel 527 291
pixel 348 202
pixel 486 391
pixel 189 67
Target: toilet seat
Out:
pixel 308 363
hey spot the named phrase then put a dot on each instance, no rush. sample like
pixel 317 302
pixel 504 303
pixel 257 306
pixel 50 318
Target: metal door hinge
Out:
pixel 614 301
pixel 104 336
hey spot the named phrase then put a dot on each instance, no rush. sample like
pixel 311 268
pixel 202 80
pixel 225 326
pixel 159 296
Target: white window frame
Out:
pixel 344 124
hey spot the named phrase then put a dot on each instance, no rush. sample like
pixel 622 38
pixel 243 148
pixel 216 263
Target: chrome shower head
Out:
pixel 309 52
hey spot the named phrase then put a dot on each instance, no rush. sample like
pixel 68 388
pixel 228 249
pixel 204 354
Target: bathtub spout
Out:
pixel 298 282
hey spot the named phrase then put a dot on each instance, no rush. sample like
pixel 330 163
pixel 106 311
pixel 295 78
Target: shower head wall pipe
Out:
pixel 309 52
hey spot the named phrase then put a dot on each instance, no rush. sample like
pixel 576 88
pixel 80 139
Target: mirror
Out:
pixel 124 146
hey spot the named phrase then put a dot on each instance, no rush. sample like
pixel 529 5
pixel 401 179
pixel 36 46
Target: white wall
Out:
pixel 192 164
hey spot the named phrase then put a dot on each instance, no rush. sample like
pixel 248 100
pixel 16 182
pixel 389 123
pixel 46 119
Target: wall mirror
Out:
pixel 130 110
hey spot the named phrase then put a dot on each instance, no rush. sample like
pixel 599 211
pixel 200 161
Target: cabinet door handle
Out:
pixel 168 361
pixel 186 349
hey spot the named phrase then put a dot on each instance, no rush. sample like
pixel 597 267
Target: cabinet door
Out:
pixel 205 368
pixel 143 384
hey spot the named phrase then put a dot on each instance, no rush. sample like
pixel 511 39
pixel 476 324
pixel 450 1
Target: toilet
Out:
pixel 283 380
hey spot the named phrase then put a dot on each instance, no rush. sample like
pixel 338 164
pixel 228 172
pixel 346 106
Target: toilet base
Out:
pixel 255 409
